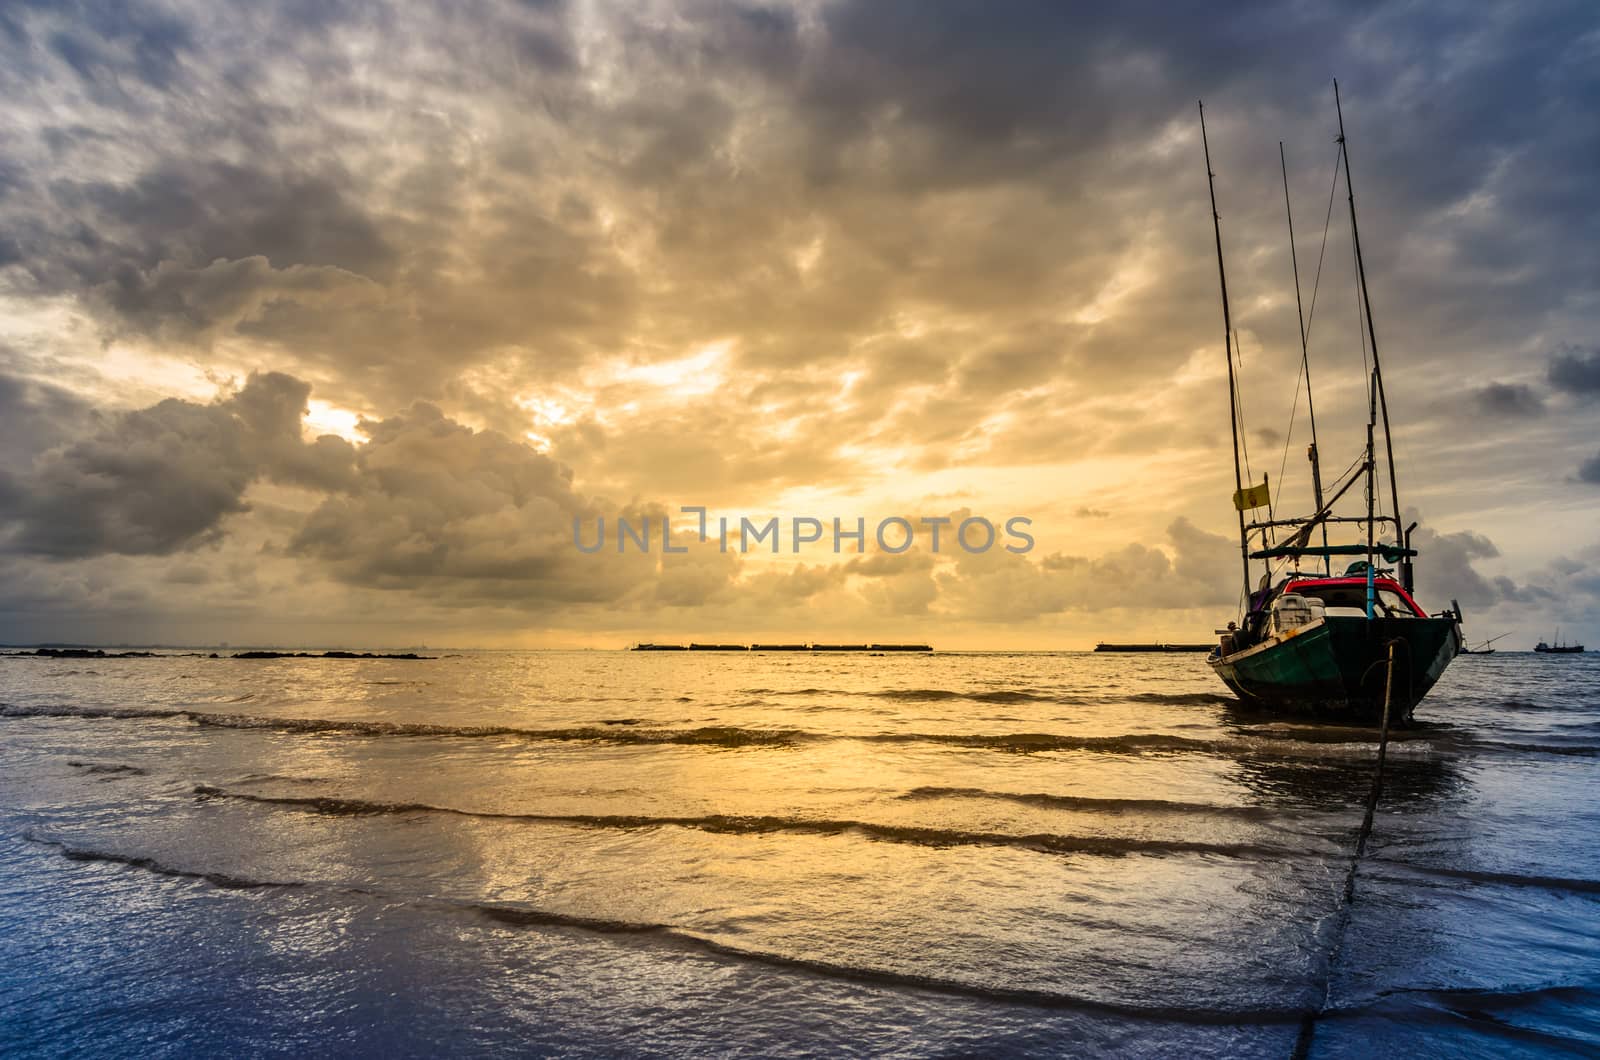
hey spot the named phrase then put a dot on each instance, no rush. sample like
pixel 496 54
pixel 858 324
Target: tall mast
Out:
pixel 1373 383
pixel 1366 302
pixel 1305 357
pixel 1227 341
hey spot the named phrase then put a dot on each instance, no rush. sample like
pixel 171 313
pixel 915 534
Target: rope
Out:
pixel 1326 222
pixel 1283 464
pixel 1308 1023
pixel 1338 481
pixel 1238 401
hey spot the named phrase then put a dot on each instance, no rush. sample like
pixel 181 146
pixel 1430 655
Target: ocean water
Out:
pixel 611 853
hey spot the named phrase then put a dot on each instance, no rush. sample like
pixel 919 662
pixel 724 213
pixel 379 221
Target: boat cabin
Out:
pixel 1302 599
pixel 1348 596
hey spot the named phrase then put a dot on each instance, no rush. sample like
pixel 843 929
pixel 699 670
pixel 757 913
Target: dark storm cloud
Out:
pixel 1590 470
pixel 997 586
pixel 114 243
pixel 161 479
pixel 108 41
pixel 36 416
pixel 1576 372
pixel 441 508
pixel 992 92
pixel 1447 570
pixel 426 504
pixel 725 136
pixel 1510 400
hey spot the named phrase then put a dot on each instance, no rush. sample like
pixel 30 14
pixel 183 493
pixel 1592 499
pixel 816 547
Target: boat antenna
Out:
pixel 1227 340
pixel 1372 335
pixel 1305 357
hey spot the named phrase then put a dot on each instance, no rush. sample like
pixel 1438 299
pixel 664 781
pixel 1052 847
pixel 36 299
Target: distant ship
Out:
pixel 878 648
pixel 1561 647
pixel 1103 646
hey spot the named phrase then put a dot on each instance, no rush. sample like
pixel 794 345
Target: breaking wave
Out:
pixel 1355 743
pixel 1098 805
pixel 732 824
pixel 525 916
pixel 1576 885
pixel 109 769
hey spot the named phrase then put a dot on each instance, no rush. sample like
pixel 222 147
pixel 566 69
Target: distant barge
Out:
pixel 1102 646
pixel 784 647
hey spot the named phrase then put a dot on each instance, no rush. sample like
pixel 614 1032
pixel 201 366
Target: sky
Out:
pixel 324 323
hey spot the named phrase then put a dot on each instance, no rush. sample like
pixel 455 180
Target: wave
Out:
pixel 730 736
pixel 279 778
pixel 64 710
pixel 1561 1029
pixel 924 695
pixel 1178 699
pixel 110 769
pixel 1006 695
pixel 218 879
pixel 1579 750
pixel 1577 885
pixel 733 824
pixel 1129 743
pixel 526 916
pixel 1098 805
pixel 709 735
pixel 713 735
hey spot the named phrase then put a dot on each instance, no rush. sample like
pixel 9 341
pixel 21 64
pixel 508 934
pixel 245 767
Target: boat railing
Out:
pixel 1267 524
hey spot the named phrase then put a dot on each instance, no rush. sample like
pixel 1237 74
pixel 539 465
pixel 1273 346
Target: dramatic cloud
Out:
pixel 1590 471
pixel 442 508
pixel 1576 371
pixel 883 256
pixel 1002 587
pixel 157 480
pixel 1511 400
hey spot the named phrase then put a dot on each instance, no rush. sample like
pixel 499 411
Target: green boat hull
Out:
pixel 1337 666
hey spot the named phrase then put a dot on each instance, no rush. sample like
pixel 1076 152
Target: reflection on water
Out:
pixel 591 852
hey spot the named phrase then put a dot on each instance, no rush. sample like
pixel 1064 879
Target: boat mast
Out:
pixel 1227 342
pixel 1372 335
pixel 1305 358
pixel 1372 491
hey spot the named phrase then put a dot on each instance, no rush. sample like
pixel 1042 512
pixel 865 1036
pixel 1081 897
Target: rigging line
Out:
pixel 1375 501
pixel 1244 434
pixel 1244 438
pixel 1311 313
pixel 1305 357
pixel 1327 222
pixel 1288 439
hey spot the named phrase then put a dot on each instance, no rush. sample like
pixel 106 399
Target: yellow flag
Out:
pixel 1252 496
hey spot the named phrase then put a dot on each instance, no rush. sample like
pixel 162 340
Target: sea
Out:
pixel 610 853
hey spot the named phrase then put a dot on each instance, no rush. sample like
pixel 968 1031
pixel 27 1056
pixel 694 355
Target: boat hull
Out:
pixel 1336 666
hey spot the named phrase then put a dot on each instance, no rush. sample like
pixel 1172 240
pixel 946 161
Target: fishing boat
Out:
pixel 1560 647
pixel 1351 646
pixel 1486 648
